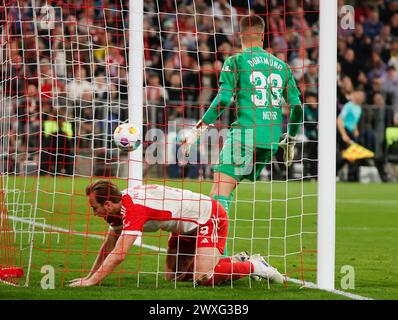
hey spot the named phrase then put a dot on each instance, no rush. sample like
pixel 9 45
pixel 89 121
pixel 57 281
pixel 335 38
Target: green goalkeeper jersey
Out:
pixel 262 85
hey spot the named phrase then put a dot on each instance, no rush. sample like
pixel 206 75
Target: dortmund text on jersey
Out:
pixel 262 85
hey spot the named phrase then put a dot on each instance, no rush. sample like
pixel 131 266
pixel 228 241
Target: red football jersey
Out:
pixel 154 207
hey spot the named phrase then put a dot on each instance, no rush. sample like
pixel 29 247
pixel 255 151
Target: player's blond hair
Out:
pixel 252 28
pixel 104 191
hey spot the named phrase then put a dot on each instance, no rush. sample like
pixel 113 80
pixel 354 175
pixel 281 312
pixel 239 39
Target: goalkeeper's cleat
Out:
pixel 240 257
pixel 263 270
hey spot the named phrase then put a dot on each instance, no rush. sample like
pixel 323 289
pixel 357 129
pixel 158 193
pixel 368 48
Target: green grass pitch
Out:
pixel 272 225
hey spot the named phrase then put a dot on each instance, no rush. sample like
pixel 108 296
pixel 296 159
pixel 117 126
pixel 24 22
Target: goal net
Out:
pixel 65 88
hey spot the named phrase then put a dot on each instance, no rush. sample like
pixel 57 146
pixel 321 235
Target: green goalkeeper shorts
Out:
pixel 242 161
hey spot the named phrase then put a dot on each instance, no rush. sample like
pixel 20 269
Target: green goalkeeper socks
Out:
pixel 226 203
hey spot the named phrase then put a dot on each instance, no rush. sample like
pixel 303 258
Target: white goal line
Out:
pixel 311 285
pixel 82 234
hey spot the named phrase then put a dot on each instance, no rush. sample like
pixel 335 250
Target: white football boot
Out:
pixel 240 257
pixel 263 270
pixel 243 257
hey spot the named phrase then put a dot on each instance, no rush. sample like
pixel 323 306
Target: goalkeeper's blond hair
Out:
pixel 252 29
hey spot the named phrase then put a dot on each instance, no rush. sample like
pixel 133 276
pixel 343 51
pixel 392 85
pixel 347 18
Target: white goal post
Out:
pixel 135 76
pixel 327 144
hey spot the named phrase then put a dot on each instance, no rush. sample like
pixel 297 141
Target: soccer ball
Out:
pixel 127 137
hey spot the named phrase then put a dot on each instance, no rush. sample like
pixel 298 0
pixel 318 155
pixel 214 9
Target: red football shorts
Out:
pixel 209 235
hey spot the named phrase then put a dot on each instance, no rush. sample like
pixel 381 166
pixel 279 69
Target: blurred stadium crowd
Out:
pixel 79 72
pixel 368 62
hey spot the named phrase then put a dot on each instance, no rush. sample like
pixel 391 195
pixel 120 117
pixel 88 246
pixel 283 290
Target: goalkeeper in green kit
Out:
pixel 260 84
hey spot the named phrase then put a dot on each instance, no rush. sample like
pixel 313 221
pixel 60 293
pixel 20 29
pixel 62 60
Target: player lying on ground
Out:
pixel 261 85
pixel 198 226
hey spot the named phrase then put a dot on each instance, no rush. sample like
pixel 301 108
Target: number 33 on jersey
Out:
pixel 262 84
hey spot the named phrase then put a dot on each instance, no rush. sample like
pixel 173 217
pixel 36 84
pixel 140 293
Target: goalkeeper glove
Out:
pixel 288 144
pixel 191 136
